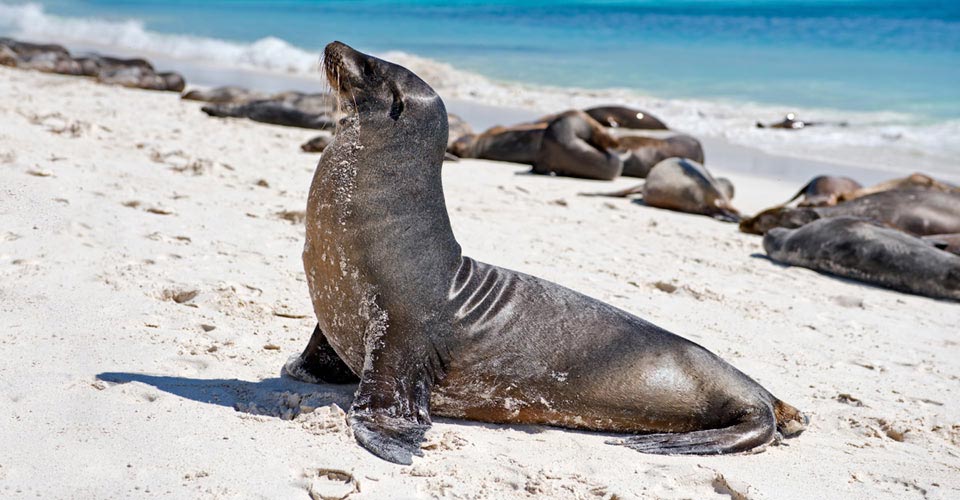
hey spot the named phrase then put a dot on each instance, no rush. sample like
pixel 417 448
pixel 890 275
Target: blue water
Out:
pixel 846 54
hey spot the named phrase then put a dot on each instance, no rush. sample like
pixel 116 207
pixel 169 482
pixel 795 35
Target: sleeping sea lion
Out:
pixel 824 190
pixel 916 211
pixel 856 248
pixel 291 109
pixel 429 331
pixel 516 144
pixel 576 145
pixel 224 95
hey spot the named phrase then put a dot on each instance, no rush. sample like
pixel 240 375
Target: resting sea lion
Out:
pixel 431 331
pixel 94 64
pixel 686 186
pixel 790 122
pixel 824 190
pixel 916 211
pixel 140 77
pixel 855 248
pixel 516 144
pixel 314 111
pixel 48 58
pixel 645 152
pixel 915 180
pixel 224 95
pixel 576 145
pixel 621 116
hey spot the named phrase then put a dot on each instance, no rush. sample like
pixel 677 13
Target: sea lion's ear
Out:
pixel 396 109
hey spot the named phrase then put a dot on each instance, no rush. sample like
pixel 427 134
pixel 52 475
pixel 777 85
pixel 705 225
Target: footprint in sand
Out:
pixel 331 484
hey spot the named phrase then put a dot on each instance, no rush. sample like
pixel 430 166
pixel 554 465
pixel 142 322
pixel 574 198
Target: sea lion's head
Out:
pixel 379 90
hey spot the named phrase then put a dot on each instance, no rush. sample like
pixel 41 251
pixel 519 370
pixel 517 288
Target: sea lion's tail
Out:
pixel 799 193
pixel 790 420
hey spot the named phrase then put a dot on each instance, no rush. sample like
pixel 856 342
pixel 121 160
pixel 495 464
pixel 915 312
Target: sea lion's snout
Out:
pixel 344 66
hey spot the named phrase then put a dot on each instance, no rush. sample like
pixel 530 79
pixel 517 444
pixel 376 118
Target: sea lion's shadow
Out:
pixel 261 398
pixel 763 256
pixel 265 397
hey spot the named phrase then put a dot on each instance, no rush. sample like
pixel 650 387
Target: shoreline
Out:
pixel 859 151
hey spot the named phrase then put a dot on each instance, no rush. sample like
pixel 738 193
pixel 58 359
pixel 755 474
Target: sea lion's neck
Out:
pixel 388 196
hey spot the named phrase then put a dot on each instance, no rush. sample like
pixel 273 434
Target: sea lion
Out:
pixel 824 190
pixel 791 122
pixel 576 145
pixel 224 95
pixel 621 116
pixel 946 242
pixel 48 58
pixel 686 186
pixel 291 109
pixel 516 144
pixel 856 248
pixel 645 152
pixel 916 211
pixel 317 144
pixel 140 77
pixel 430 331
pixel 94 64
pixel 915 180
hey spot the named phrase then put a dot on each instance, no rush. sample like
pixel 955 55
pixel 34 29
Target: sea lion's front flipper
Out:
pixel 319 363
pixel 753 431
pixel 391 411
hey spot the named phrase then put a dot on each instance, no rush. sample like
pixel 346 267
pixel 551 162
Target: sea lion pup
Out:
pixel 824 190
pixel 917 211
pixel 431 331
pixel 516 144
pixel 856 248
pixel 229 94
pixel 645 152
pixel 624 117
pixel 946 242
pixel 291 109
pixel 575 145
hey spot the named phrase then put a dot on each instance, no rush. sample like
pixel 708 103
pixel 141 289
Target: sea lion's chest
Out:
pixel 343 298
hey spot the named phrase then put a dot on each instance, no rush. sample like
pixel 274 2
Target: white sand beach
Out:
pixel 151 288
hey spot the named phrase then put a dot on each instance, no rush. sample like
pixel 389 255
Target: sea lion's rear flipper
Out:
pixel 391 410
pixel 753 431
pixel 319 363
